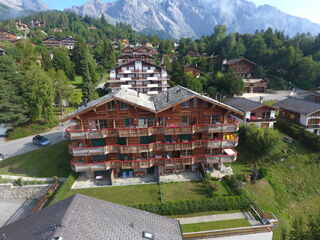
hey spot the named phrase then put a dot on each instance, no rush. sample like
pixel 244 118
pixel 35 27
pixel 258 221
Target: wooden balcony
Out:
pixel 76 149
pixel 81 166
pixel 76 134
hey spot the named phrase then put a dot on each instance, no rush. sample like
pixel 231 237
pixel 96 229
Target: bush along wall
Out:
pixel 62 191
pixel 297 132
pixel 194 206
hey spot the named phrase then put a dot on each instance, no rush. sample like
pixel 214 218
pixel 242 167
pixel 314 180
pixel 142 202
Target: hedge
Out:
pixel 299 133
pixel 195 206
pixel 62 191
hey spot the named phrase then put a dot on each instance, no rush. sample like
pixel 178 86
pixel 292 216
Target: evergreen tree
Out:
pixel 61 61
pixel 13 111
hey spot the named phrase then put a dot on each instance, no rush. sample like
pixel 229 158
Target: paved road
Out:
pixel 220 217
pixel 24 145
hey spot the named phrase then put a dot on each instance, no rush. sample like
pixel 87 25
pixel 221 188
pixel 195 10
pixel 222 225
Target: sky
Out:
pixel 300 8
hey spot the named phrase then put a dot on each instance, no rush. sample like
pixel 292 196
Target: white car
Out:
pixel 1 156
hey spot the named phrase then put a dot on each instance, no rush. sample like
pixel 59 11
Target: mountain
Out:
pixel 194 18
pixel 18 8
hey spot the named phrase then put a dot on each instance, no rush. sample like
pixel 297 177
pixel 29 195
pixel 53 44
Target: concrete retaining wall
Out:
pixel 8 191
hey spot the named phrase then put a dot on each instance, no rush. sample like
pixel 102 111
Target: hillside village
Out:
pixel 221 135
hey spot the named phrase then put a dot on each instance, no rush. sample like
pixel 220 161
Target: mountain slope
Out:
pixel 194 18
pixel 17 8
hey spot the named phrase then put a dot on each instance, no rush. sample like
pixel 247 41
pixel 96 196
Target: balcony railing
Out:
pixel 80 166
pixel 75 150
pixel 76 134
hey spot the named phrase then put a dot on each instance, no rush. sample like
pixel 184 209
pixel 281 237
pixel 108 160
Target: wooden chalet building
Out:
pixel 126 134
pixel 193 53
pixel 305 113
pixel 255 85
pixel 253 112
pixel 137 51
pixel 37 24
pixel 193 69
pixel 241 66
pixel 129 58
pixel 52 42
pixel 142 76
pixel 21 26
pixel 8 36
pixel 68 42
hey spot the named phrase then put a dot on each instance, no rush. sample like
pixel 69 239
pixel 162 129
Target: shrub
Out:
pixel 263 172
pixel 62 191
pixel 18 182
pixel 297 132
pixel 195 206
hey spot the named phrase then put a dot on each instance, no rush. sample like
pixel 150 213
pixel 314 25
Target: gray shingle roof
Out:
pixel 156 103
pixel 298 106
pixel 233 61
pixel 243 104
pixel 84 218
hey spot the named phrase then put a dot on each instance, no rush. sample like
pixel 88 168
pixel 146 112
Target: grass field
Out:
pixel 45 162
pixel 128 195
pixel 291 188
pixel 206 226
pixel 206 213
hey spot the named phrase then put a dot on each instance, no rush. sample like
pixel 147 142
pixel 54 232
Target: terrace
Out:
pixel 76 133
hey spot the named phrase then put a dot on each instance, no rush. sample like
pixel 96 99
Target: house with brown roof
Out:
pixel 253 112
pixel 193 69
pixel 241 66
pixel 6 35
pixel 302 112
pixel 21 26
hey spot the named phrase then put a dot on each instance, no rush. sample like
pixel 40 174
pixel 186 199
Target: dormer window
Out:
pixel 123 106
pixel 111 105
pixel 185 104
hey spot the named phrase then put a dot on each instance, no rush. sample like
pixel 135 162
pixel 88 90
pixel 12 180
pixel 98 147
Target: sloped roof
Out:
pixel 298 106
pixel 243 104
pixel 84 218
pixel 134 60
pixel 236 60
pixel 157 103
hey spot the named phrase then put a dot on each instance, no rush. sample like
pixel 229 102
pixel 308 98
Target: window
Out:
pixel 168 139
pixel 123 106
pixel 185 121
pixel 145 122
pixel 161 121
pixel 185 137
pixel 266 115
pixel 195 102
pixel 214 119
pixel 128 122
pixel 185 104
pixel 111 105
pixel 101 124
pixel 205 104
pixel 147 139
pixel 122 141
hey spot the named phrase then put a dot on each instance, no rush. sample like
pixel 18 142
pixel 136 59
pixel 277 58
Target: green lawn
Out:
pixel 28 130
pixel 49 161
pixel 206 213
pixel 207 226
pixel 190 191
pixel 291 188
pixel 270 102
pixel 126 195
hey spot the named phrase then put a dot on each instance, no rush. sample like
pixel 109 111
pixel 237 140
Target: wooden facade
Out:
pixel 118 135
pixel 242 67
pixel 7 36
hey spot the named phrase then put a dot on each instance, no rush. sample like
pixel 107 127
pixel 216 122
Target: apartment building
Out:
pixel 127 134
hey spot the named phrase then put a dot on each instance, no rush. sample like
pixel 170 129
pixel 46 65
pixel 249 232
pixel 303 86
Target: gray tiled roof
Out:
pixel 243 104
pixel 84 218
pixel 233 61
pixel 298 106
pixel 156 103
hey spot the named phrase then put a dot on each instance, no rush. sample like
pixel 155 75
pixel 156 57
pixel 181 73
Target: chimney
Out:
pixel 85 102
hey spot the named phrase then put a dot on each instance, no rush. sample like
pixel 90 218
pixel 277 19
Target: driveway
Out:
pixel 24 145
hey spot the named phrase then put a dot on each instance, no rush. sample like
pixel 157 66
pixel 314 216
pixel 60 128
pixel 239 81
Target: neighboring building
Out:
pixel 52 42
pixel 21 26
pixel 305 113
pixel 149 45
pixel 193 69
pixel 37 24
pixel 129 58
pixel 138 51
pixel 2 51
pixel 80 217
pixel 68 42
pixel 253 112
pixel 193 53
pixel 126 134
pixel 255 85
pixel 124 42
pixel 241 66
pixel 57 30
pixel 6 35
pixel 139 75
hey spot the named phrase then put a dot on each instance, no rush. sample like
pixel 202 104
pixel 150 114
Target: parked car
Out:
pixel 1 156
pixel 41 141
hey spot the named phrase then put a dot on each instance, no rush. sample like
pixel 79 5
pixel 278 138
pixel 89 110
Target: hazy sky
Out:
pixel 301 8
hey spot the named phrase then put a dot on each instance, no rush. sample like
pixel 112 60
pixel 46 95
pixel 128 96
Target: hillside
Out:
pixel 195 18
